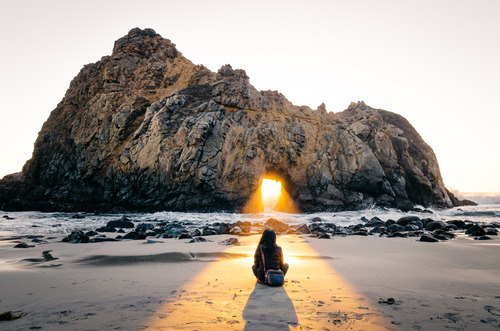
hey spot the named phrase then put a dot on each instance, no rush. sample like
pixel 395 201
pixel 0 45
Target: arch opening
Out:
pixel 271 195
pixel 270 191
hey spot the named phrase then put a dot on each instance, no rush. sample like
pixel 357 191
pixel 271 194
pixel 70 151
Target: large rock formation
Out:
pixel 146 129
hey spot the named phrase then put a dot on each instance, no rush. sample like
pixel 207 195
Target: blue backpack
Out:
pixel 274 277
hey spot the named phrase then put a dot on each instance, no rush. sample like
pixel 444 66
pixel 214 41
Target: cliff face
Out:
pixel 146 129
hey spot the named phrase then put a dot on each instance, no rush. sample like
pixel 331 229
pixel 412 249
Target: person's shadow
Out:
pixel 269 308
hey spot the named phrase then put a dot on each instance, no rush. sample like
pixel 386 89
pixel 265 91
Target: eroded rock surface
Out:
pixel 146 129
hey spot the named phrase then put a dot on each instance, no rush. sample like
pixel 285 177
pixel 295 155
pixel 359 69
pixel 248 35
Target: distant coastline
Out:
pixel 482 198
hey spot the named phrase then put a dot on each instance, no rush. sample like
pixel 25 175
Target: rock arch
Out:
pixel 146 129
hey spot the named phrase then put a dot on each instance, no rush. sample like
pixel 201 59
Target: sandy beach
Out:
pixel 166 284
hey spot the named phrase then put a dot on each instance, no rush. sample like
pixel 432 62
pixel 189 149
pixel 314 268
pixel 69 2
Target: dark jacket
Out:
pixel 274 260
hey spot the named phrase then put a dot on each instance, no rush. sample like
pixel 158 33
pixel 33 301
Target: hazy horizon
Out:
pixel 436 64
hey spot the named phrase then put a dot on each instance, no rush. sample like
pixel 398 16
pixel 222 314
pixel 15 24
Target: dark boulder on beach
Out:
pixel 412 227
pixel 323 236
pixel 407 219
pixel 389 222
pixel 175 230
pixel 377 230
pixel 395 228
pixel 277 226
pixel 144 227
pixel 48 257
pixel 451 227
pixel 134 236
pixel 405 205
pixel 106 229
pixel 475 231
pixel 374 222
pixel 316 229
pixel 445 233
pixel 209 232
pixel 39 241
pixel 458 223
pixel 244 226
pixel 77 237
pixel 124 222
pixel 426 221
pixel 434 225
pixel 490 231
pixel 222 228
pixel 483 238
pixel 418 224
pixel 236 230
pixel 469 225
pixel 303 229
pixel 439 235
pixel 185 236
pixel 146 129
pixel 428 238
pixel 397 235
pixel 357 227
pixel 342 231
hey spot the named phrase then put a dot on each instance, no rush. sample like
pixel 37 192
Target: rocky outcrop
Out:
pixel 146 129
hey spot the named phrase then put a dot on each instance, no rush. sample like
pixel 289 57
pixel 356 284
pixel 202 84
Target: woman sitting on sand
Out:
pixel 273 256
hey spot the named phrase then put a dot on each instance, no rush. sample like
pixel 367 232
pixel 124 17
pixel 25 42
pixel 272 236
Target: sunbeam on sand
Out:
pixel 168 284
pixel 225 295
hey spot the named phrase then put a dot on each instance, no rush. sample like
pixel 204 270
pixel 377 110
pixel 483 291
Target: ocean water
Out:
pixel 38 223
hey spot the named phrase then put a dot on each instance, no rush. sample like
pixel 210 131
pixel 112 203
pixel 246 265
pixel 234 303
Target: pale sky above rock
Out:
pixel 434 62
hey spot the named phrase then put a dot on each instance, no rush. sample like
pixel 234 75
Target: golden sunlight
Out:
pixel 270 195
pixel 221 300
pixel 271 192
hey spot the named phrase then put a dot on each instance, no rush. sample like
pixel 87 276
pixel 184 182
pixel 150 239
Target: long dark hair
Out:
pixel 268 240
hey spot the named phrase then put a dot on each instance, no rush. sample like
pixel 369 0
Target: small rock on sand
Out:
pixel 23 245
pixel 230 242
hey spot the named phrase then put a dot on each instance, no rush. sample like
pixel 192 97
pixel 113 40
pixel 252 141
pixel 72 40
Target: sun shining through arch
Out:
pixel 271 193
pixel 271 196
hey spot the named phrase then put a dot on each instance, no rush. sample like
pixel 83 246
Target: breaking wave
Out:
pixel 38 223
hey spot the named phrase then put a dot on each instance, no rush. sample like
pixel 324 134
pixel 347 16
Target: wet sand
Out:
pixel 331 284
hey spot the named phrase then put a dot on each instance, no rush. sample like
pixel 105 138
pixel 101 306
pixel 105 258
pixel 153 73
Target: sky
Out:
pixel 437 63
